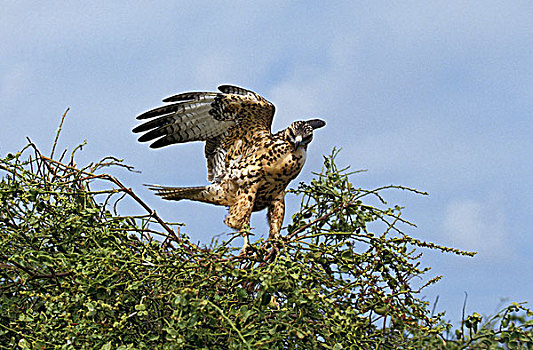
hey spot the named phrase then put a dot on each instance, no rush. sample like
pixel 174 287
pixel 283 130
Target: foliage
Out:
pixel 74 274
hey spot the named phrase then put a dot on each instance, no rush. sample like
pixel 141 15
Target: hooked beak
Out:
pixel 297 142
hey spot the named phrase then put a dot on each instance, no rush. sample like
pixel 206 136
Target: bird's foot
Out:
pixel 277 240
pixel 246 250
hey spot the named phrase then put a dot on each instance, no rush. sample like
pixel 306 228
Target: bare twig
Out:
pixel 58 132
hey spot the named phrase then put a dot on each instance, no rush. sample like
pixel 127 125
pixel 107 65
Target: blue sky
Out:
pixel 436 95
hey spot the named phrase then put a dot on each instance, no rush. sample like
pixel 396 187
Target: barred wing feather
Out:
pixel 220 119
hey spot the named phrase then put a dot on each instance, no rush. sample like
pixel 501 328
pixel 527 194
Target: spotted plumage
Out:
pixel 249 167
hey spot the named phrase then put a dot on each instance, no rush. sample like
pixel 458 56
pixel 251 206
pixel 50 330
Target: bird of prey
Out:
pixel 248 166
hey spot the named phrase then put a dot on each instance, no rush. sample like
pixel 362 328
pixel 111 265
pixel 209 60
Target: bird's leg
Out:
pixel 276 212
pixel 240 212
pixel 244 232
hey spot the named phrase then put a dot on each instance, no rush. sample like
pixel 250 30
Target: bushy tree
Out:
pixel 76 274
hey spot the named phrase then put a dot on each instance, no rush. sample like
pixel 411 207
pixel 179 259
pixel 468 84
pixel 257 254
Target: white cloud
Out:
pixel 478 226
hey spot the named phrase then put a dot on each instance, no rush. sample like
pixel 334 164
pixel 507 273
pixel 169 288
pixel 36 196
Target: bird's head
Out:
pixel 300 133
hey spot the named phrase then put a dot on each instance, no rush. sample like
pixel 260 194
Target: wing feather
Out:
pixel 232 89
pixel 179 123
pixel 221 119
pixel 185 96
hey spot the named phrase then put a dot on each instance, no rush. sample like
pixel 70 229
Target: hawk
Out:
pixel 248 166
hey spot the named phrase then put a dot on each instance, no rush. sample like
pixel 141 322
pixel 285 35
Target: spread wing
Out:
pixel 221 119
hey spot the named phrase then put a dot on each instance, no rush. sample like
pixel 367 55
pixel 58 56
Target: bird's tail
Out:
pixel 179 193
pixel 207 194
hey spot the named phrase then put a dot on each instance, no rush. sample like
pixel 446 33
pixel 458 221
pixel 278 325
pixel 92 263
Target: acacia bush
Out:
pixel 75 274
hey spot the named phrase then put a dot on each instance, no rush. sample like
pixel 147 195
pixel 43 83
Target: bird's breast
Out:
pixel 284 164
pixel 278 171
